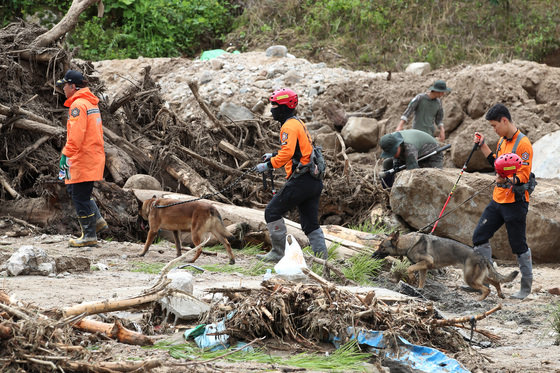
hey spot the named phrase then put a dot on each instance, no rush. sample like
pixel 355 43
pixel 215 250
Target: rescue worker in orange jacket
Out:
pixel 302 190
pixel 510 199
pixel 83 155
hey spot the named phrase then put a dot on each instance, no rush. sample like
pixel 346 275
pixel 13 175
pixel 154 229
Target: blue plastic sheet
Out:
pixel 211 336
pixel 425 359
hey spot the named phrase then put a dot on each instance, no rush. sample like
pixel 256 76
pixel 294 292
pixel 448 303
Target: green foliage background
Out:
pixel 365 34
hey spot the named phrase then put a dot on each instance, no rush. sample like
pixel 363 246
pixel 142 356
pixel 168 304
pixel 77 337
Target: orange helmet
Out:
pixel 286 97
pixel 507 164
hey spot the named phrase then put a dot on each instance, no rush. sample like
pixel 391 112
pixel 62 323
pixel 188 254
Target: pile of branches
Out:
pixel 36 340
pixel 308 314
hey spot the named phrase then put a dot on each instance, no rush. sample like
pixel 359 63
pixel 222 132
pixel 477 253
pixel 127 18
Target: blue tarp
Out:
pixel 208 55
pixel 425 359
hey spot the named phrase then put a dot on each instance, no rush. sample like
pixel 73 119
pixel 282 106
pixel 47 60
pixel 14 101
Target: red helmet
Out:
pixel 286 97
pixel 507 164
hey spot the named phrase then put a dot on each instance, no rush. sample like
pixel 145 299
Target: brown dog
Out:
pixel 196 217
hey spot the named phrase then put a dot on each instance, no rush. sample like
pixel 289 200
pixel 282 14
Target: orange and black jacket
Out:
pixel 524 150
pixel 296 146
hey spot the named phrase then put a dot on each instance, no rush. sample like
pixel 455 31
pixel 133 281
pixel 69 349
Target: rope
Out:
pixel 208 195
pixel 421 230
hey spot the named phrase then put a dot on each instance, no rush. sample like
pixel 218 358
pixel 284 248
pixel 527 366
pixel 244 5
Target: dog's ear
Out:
pixel 395 236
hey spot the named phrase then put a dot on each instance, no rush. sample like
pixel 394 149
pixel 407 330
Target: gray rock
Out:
pixel 361 133
pixel 141 181
pixel 29 260
pixel 545 156
pixel 235 112
pixel 276 51
pixel 419 68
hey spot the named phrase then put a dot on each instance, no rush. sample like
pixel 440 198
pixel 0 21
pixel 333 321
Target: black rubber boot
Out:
pixel 88 238
pixel 526 269
pixel 277 230
pixel 100 223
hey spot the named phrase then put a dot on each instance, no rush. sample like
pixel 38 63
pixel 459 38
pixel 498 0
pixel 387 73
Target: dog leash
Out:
pixel 206 196
pixel 422 230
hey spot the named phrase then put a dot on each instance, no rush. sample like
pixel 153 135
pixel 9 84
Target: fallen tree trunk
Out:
pixel 111 305
pixel 115 331
pixel 67 23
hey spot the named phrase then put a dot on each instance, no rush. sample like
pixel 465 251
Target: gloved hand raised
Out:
pixel 266 157
pixel 63 163
pixel 262 167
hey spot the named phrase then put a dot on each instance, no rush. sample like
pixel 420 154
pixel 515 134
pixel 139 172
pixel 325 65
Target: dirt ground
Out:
pixel 526 338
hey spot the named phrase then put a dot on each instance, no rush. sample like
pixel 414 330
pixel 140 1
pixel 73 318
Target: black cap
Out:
pixel 71 76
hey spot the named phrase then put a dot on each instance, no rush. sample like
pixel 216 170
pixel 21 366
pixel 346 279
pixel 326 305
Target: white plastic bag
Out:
pixel 292 262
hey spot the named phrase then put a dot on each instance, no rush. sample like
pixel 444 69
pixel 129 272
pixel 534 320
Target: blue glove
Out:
pixel 262 167
pixel 64 163
pixel 266 157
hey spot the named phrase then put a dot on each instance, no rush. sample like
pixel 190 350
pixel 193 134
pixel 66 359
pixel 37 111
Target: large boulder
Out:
pixel 545 156
pixel 419 195
pixel 142 181
pixel 361 133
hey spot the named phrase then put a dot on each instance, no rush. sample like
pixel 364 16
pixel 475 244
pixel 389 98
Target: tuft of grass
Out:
pixel 368 227
pixel 398 269
pixel 555 321
pixel 361 268
pixel 257 269
pixel 347 358
pixel 151 268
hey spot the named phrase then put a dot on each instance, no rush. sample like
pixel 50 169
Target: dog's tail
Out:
pixel 496 276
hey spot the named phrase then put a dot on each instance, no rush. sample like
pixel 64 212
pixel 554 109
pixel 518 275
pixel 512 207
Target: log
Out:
pixel 119 164
pixel 33 126
pixel 140 156
pixel 233 150
pixel 219 166
pixel 6 184
pixel 27 150
pixel 195 183
pixel 66 24
pixel 194 89
pixel 114 331
pixel 7 111
pixel 92 308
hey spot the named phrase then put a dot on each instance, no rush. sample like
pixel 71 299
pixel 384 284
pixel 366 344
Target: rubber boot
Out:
pixel 526 269
pixel 88 238
pixel 100 223
pixel 277 230
pixel 318 245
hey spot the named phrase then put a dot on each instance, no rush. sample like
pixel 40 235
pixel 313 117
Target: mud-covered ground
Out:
pixel 526 337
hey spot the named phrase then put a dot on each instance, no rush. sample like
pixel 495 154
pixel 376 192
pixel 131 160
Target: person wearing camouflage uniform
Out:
pixel 405 147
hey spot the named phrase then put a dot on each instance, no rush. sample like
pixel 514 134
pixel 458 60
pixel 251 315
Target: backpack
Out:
pixel 530 185
pixel 317 165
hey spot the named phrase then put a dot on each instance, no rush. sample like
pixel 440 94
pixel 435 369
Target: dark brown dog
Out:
pixel 196 217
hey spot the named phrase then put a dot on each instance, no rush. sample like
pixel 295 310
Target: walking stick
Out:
pixel 402 167
pixel 454 186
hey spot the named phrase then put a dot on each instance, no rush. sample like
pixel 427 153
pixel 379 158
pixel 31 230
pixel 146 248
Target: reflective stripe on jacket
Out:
pixel 525 151
pixel 84 138
pixel 296 146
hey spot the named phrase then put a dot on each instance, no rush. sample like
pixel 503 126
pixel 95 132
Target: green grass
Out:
pixel 555 321
pixel 150 268
pixel 368 227
pixel 348 358
pixel 361 268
